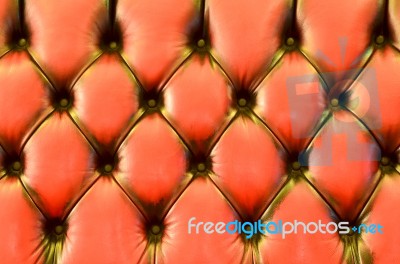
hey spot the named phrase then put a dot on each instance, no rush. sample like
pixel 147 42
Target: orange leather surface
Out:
pixel 122 120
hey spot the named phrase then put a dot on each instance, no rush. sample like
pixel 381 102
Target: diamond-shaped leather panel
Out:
pixel 122 120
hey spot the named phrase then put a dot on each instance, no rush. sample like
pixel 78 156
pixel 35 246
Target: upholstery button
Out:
pixel 59 229
pixel 22 42
pixel 113 45
pixel 242 102
pixel 385 161
pixel 296 165
pixel 155 230
pixel 201 43
pixel 290 41
pixel 151 103
pixel 379 39
pixel 64 102
pixel 108 168
pixel 334 102
pixel 201 167
pixel 16 166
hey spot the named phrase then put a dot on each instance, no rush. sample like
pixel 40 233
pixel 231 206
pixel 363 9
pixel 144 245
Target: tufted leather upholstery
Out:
pixel 121 121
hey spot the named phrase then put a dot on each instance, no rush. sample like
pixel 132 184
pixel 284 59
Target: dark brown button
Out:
pixel 22 42
pixel 155 229
pixel 242 102
pixel 290 41
pixel 108 168
pixel 59 229
pixel 113 45
pixel 201 43
pixel 334 102
pixel 151 103
pixel 16 166
pixel 201 167
pixel 379 39
pixel 64 102
pixel 385 161
pixel 296 165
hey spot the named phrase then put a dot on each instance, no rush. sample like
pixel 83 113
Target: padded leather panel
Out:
pixel 120 121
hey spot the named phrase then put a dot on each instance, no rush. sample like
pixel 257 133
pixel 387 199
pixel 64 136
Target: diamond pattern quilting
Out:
pixel 208 131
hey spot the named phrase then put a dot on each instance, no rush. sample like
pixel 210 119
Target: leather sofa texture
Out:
pixel 122 120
